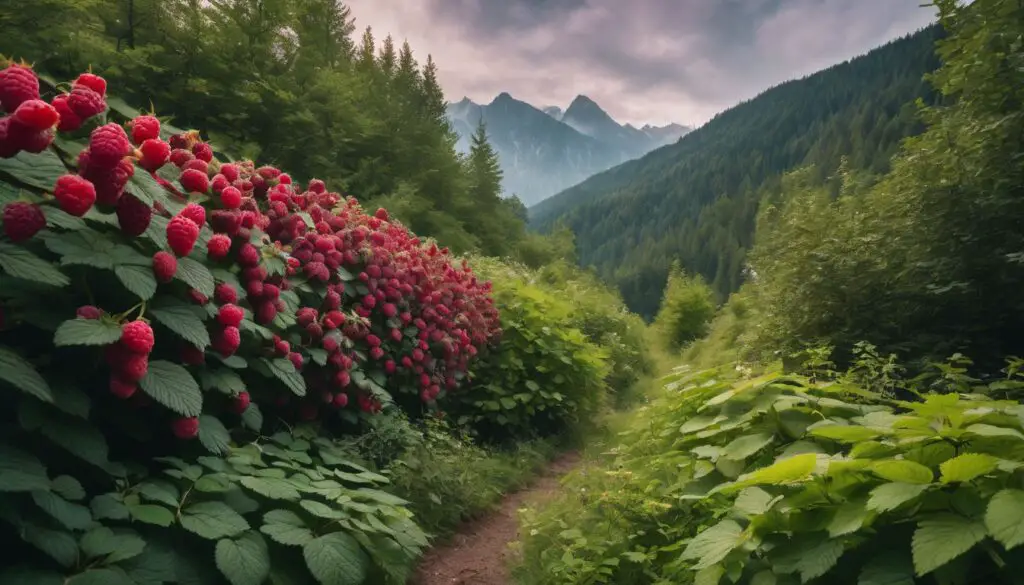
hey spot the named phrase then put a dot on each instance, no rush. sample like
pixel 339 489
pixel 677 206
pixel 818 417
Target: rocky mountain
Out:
pixel 545 150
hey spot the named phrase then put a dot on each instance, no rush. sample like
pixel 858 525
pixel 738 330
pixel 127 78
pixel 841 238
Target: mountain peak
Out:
pixel 503 97
pixel 582 105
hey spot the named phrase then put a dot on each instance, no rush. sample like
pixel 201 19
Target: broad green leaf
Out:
pixel 183 320
pixel 70 515
pixel 849 517
pixel 30 576
pixel 79 331
pixel 172 385
pixel 284 370
pixel 890 496
pixel 222 379
pixel 753 501
pixel 270 487
pixel 108 506
pixel 195 274
pixel 139 280
pixel 795 468
pixel 61 546
pixel 213 434
pixel 810 562
pixel 893 568
pixel 746 445
pixel 322 510
pixel 37 170
pixel 336 559
pixel 252 418
pixel 286 528
pixel 102 542
pixel 709 575
pixel 712 545
pixel 764 578
pixel 213 520
pixel 68 487
pixel 903 471
pixel 244 560
pixel 19 373
pixel 1004 517
pixel 71 400
pixel 151 514
pixel 942 538
pixel 20 263
pixel 984 430
pixel 160 491
pixel 967 467
pixel 83 247
pixel 21 471
pixel 145 188
pixel 101 576
pixel 845 433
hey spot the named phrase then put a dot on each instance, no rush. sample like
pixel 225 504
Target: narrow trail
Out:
pixel 478 554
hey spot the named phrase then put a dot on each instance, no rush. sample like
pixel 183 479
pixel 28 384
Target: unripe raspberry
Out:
pixel 226 341
pixel 182 234
pixel 202 151
pixel 93 82
pixel 248 255
pixel 18 84
pixel 85 102
pixel 240 403
pixel 225 293
pixel 74 194
pixel 108 144
pixel 218 247
pixel 145 128
pixel 36 115
pixel 165 266
pixel 155 153
pixel 230 315
pixel 137 337
pixel 22 220
pixel 185 428
pixel 231 198
pixel 133 215
pixel 195 181
pixel 195 212
pixel 69 120
pixel 121 389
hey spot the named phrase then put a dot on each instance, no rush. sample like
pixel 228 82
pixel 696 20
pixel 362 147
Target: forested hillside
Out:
pixel 697 200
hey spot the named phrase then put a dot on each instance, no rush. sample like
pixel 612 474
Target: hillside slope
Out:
pixel 696 200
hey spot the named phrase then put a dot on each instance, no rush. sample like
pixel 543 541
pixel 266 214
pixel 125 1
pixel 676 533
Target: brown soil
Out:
pixel 479 553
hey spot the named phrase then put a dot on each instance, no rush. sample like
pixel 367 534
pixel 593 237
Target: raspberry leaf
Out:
pixel 336 559
pixel 137 279
pixel 172 385
pixel 185 321
pixel 285 371
pixel 214 436
pixel 942 538
pixel 20 263
pixel 80 331
pixel 286 528
pixel 151 514
pixel 85 247
pixel 245 560
pixel 253 418
pixel 213 520
pixel 222 379
pixel 145 188
pixel 194 274
pixel 36 170
pixel 70 515
pixel 1005 517
pixel 19 373
pixel 21 471
pixel 56 217
pixel 104 543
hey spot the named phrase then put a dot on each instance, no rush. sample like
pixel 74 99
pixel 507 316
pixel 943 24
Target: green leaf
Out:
pixel 1004 517
pixel 252 418
pixel 19 373
pixel 80 438
pixel 810 561
pixel 172 385
pixel 890 496
pixel 214 435
pixel 20 263
pixel 994 431
pixel 213 520
pixel 145 188
pixel 222 379
pixel 121 107
pixel 79 331
pixel 322 510
pixel 68 487
pixel 284 370
pixel 336 559
pixel 59 545
pixel 271 487
pixel 185 321
pixel 903 471
pixel 30 576
pixel 72 516
pixel 753 501
pixel 195 274
pixel 792 469
pixel 71 400
pixel 711 546
pixel 20 471
pixel 942 538
pixel 139 280
pixel 746 445
pixel 286 528
pixel 37 170
pixel 84 247
pixel 58 218
pixel 967 467
pixel 108 506
pixel 160 491
pixel 848 518
pixel 844 433
pixel 151 514
pixel 709 575
pixel 893 568
pixel 102 542
pixel 764 578
pixel 244 560
pixel 101 576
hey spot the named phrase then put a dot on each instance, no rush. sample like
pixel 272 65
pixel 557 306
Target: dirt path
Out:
pixel 478 554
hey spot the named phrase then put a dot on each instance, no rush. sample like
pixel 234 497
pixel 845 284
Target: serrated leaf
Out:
pixel 20 471
pixel 942 538
pixel 37 170
pixel 984 430
pixel 172 385
pixel 18 372
pixel 252 418
pixel 322 510
pixel 145 188
pixel 151 514
pixel 160 491
pixel 80 438
pixel 844 433
pixel 20 263
pixel 244 560
pixel 903 471
pixel 810 561
pixel 195 274
pixel 271 487
pixel 68 487
pixel 336 559
pixel 795 468
pixel 213 520
pixel 752 502
pixel 746 445
pixel 286 528
pixel 61 546
pixel 284 370
pixel 1004 517
pixel 72 516
pixel 709 575
pixel 102 542
pixel 222 379
pixel 183 320
pixel 764 578
pixel 712 545
pixel 58 218
pixel 849 517
pixel 157 231
pixel 83 247
pixel 888 569
pixel 139 280
pixel 890 496
pixel 79 331
pixel 214 435
pixel 967 467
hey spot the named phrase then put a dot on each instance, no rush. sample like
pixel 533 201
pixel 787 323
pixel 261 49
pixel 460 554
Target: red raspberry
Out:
pixel 93 82
pixel 231 198
pixel 192 355
pixel 109 182
pixel 121 389
pixel 155 153
pixel 316 186
pixel 225 293
pixel 248 255
pixel 265 312
pixel 15 137
pixel 133 215
pixel 137 337
pixel 180 156
pixel 225 222
pixel 132 367
pixel 203 151
pixel 230 315
pixel 185 428
pixel 240 403
pixel 37 115
pixel 218 247
pixel 296 360
pixel 74 194
pixel 195 181
pixel 340 400
pixel 145 128
pixel 227 340
pixel 195 213
pixel 381 214
pixel 108 144
pixel 10 143
pixel 198 297
pixel 85 102
pixel 164 266
pixel 343 379
pixel 18 84
pixel 89 312
pixel 69 120
pixel 182 234
pixel 22 220
pixel 230 172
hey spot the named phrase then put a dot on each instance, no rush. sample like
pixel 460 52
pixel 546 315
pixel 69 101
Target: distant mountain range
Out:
pixel 545 150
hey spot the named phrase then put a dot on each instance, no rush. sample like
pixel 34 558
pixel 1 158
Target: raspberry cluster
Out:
pixel 128 358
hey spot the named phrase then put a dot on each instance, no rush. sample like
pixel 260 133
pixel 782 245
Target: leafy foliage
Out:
pixel 687 307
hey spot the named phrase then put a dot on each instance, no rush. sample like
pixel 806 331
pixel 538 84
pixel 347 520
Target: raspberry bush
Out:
pixel 189 333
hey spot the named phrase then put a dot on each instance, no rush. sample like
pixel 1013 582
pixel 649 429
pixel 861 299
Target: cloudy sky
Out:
pixel 643 60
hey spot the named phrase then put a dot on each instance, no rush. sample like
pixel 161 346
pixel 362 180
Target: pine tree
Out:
pixel 387 59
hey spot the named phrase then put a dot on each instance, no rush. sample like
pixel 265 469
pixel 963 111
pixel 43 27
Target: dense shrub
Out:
pixel 151 295
pixel 687 306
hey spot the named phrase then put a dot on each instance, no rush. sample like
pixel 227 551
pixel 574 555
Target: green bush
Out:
pixel 687 306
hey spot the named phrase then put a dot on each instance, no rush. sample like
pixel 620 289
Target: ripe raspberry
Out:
pixel 121 389
pixel 74 194
pixel 195 181
pixel 85 102
pixel 192 355
pixel 145 128
pixel 340 400
pixel 109 182
pixel 225 222
pixel 225 293
pixel 218 247
pixel 265 312
pixel 89 312
pixel 195 213
pixel 381 214
pixel 231 198
pixel 296 360
pixel 93 82
pixel 230 315
pixel 32 141
pixel 37 115
pixel 137 337
pixel 155 153
pixel 22 220
pixel 132 367
pixel 164 266
pixel 203 151
pixel 69 120
pixel 198 297
pixel 108 144
pixel 133 215
pixel 248 255
pixel 10 143
pixel 185 428
pixel 180 156
pixel 182 234
pixel 226 341
pixel 240 403
pixel 18 84
pixel 317 186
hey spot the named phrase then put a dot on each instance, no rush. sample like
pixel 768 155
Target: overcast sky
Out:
pixel 642 60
